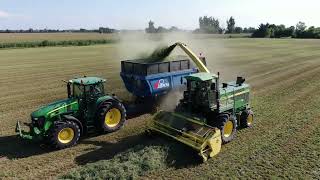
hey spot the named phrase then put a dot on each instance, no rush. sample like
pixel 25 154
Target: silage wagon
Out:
pixel 152 79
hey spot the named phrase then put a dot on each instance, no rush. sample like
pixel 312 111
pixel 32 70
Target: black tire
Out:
pixel 116 109
pixel 246 119
pixel 228 132
pixel 57 138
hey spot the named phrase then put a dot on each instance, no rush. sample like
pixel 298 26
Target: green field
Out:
pixel 31 37
pixel 283 73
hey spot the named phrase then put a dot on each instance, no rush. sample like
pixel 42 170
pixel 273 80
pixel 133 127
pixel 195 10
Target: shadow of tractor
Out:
pixel 178 155
pixel 12 147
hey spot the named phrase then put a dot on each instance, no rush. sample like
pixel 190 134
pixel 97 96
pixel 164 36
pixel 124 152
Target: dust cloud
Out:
pixel 169 101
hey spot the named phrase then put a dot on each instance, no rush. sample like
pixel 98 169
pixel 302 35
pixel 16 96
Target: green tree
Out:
pixel 151 28
pixel 249 30
pixel 174 29
pixel 231 25
pixel 161 29
pixel 238 30
pixel 301 26
pixel 262 31
pixel 209 25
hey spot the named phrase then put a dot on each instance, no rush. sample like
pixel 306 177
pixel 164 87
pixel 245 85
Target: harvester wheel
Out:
pixel 246 119
pixel 111 116
pixel 228 127
pixel 64 134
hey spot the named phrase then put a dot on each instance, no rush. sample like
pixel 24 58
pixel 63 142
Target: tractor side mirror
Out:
pixel 240 80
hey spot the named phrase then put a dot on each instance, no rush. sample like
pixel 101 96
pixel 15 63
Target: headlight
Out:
pixel 38 121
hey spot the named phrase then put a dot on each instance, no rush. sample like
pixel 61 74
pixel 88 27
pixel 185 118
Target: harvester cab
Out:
pixel 88 108
pixel 202 92
pixel 209 112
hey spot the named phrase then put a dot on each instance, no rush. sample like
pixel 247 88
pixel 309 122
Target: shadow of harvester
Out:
pixel 177 155
pixel 12 147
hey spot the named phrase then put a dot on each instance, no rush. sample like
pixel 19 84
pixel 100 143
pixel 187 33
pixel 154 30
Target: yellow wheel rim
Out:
pixel 113 117
pixel 228 128
pixel 250 119
pixel 66 135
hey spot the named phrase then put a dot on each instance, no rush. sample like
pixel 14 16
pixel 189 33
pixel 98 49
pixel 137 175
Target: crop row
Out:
pixel 47 43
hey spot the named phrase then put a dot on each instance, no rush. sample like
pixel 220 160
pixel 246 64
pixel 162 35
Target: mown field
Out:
pixel 285 142
pixel 31 37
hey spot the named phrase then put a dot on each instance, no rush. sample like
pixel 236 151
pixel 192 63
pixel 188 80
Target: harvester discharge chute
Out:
pixel 201 137
pixel 208 115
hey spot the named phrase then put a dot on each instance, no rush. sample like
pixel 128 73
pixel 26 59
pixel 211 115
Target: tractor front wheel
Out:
pixel 64 134
pixel 228 127
pixel 246 119
pixel 111 116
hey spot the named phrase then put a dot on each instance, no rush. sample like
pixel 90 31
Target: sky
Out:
pixel 135 14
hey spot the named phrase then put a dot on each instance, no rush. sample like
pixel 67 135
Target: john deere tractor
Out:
pixel 87 109
pixel 209 113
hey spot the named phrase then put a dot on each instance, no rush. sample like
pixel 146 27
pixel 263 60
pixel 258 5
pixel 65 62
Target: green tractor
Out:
pixel 87 109
pixel 208 115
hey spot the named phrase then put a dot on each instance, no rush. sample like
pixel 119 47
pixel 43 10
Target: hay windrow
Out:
pixel 130 164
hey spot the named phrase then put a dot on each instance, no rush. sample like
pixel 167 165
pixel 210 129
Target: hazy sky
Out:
pixel 135 14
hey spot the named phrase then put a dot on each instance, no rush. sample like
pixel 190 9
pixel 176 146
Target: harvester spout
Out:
pixel 193 56
pixel 163 53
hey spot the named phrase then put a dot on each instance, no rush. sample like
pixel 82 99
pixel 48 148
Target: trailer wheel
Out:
pixel 64 134
pixel 246 119
pixel 228 127
pixel 112 116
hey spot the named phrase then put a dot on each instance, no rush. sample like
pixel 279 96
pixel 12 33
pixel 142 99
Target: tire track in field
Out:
pixel 289 131
pixel 263 72
pixel 280 79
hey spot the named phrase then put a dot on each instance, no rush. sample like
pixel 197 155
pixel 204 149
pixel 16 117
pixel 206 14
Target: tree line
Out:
pixel 152 29
pixel 211 25
pixel 207 25
pixel 81 30
pixel 281 31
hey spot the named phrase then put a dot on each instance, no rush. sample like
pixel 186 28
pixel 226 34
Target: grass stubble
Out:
pixel 284 142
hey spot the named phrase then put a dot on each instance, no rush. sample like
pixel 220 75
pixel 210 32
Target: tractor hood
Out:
pixel 54 107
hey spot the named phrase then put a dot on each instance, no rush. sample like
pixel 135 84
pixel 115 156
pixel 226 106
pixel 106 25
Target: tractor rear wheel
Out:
pixel 228 127
pixel 246 119
pixel 64 134
pixel 112 116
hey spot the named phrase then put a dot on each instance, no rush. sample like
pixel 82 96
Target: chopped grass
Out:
pixel 158 55
pixel 130 164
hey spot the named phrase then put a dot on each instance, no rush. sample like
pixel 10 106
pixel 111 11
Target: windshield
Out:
pixel 193 85
pixel 77 90
pixel 91 90
pixel 96 89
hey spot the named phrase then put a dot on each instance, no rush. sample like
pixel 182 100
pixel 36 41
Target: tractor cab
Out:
pixel 88 91
pixel 86 87
pixel 202 92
